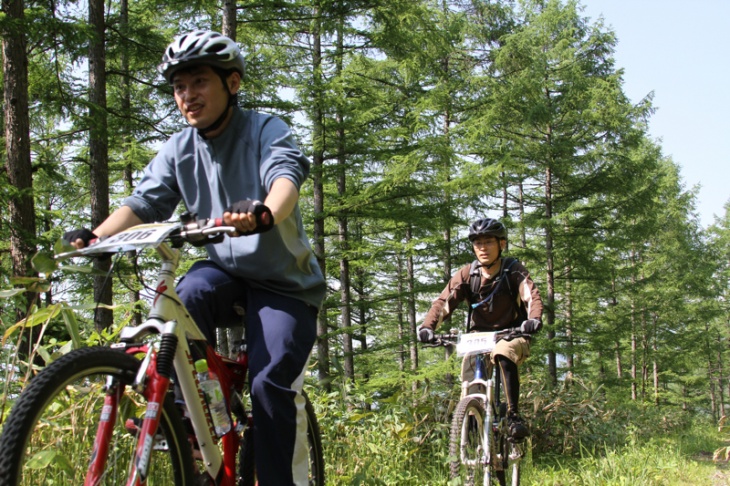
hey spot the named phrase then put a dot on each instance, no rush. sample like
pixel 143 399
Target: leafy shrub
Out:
pixel 571 419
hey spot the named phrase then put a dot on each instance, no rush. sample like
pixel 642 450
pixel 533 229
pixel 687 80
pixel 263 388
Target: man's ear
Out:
pixel 234 82
pixel 503 244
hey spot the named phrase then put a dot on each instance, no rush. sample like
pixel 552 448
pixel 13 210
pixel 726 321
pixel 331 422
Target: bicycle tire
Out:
pixel 466 442
pixel 246 473
pixel 51 428
pixel 509 473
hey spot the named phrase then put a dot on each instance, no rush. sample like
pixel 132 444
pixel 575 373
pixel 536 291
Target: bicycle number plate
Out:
pixel 475 343
pixel 140 236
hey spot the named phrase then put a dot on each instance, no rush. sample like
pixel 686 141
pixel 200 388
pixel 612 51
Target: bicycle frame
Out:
pixel 170 350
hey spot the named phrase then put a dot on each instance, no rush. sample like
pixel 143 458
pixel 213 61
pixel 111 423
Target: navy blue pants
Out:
pixel 280 333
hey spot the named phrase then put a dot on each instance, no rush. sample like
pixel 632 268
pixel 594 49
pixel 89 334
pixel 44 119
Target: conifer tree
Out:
pixel 556 119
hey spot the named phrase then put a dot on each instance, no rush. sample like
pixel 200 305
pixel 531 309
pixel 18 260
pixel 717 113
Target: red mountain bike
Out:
pixel 107 415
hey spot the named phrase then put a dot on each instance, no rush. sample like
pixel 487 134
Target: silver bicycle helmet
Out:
pixel 487 227
pixel 201 47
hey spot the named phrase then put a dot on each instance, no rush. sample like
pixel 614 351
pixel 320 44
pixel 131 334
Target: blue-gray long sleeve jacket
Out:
pixel 253 151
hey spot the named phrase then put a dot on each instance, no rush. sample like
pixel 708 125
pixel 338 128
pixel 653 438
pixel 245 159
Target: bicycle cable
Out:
pixel 107 276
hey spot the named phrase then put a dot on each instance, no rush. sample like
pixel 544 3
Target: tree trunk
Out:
pixel 99 154
pixel 17 142
pixel 634 356
pixel 403 331
pixel 345 299
pixel 126 109
pixel 569 344
pixel 318 137
pixel 229 19
pixel 720 378
pixel 644 355
pixel 550 296
pixel 410 279
pixel 654 357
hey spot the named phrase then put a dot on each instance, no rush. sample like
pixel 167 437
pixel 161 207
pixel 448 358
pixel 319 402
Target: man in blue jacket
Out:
pixel 246 167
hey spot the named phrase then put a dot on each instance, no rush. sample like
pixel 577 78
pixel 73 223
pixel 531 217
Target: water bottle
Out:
pixel 214 395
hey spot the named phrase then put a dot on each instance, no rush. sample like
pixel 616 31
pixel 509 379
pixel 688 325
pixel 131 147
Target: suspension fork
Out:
pixel 489 409
pixel 97 466
pixel 154 380
pixel 497 386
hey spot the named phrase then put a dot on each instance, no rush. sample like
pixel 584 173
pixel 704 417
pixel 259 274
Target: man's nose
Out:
pixel 187 93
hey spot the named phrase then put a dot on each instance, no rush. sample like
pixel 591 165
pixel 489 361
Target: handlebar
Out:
pixel 452 337
pixel 201 231
pixel 444 340
pixel 197 232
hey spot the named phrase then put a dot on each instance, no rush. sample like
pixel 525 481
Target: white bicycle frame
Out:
pixel 167 316
pixel 473 344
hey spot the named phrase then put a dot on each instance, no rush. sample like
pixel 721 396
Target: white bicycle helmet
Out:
pixel 201 47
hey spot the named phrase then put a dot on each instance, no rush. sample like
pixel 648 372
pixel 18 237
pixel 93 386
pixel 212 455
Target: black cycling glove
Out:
pixel 264 218
pixel 531 326
pixel 425 334
pixel 82 234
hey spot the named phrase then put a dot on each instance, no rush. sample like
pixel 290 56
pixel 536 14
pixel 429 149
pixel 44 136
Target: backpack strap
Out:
pixel 475 279
pixel 506 265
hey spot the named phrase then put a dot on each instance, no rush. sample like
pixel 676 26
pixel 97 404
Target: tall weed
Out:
pixel 390 441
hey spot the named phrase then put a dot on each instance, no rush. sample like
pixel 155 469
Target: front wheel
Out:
pixel 49 435
pixel 467 447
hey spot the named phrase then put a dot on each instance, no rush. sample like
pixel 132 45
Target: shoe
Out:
pixel 516 426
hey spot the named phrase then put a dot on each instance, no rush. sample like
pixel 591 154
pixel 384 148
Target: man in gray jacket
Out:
pixel 246 167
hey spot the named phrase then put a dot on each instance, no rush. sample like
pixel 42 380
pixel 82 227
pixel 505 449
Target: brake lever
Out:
pixel 202 232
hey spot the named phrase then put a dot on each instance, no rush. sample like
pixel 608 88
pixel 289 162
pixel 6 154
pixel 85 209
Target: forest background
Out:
pixel 418 116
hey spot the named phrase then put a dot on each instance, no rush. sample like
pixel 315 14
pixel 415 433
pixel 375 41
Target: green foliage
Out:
pixel 650 465
pixel 391 442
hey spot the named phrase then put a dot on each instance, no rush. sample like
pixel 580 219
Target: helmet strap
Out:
pixel 232 100
pixel 499 258
pixel 219 121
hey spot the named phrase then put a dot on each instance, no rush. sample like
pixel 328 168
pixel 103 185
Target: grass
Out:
pixel 376 448
pixel 667 461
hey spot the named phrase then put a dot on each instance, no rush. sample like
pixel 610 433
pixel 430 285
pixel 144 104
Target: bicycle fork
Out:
pixel 480 373
pixel 153 380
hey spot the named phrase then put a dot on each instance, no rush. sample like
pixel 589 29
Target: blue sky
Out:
pixel 680 50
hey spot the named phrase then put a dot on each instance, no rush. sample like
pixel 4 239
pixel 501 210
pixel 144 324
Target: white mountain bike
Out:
pixel 480 447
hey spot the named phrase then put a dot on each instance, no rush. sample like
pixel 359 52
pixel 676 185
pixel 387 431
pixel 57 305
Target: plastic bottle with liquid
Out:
pixel 214 395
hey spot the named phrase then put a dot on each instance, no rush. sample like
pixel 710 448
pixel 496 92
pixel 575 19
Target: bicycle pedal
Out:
pixel 134 427
pixel 516 440
pixel 202 479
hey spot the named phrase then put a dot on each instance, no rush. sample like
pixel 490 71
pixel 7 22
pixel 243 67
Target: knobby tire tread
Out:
pixel 460 413
pixel 44 387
